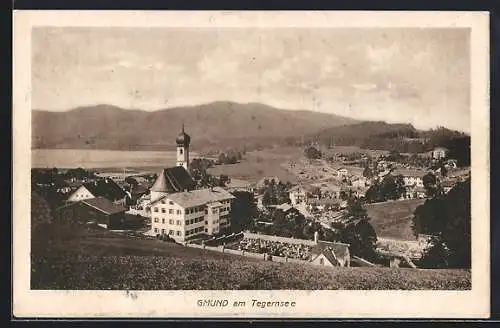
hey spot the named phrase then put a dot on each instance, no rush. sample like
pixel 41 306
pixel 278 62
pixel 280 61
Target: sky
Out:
pixel 412 75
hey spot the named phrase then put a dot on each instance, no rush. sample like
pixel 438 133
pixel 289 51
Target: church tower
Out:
pixel 183 140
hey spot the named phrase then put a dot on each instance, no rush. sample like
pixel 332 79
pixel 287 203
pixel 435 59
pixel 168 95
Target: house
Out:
pixel 330 254
pixel 239 185
pixel 439 153
pixel 285 208
pixel 98 210
pixel 411 177
pixel 342 173
pixel 183 215
pixel 297 195
pixel 105 187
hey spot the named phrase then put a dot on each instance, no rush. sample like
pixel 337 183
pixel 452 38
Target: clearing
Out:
pixel 393 219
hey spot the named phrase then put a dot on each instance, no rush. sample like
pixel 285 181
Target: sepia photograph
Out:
pixel 218 157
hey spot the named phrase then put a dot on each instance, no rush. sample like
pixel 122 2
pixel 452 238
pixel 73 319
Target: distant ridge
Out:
pixel 218 123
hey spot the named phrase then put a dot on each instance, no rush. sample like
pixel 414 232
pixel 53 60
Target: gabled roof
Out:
pixel 103 205
pixel 339 249
pixel 197 197
pixel 106 188
pixel 173 179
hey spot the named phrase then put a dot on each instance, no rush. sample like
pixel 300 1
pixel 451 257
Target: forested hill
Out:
pixel 384 136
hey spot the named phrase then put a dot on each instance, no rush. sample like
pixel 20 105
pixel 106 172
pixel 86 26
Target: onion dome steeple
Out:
pixel 183 139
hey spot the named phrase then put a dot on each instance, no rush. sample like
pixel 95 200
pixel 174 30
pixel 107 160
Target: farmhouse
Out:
pixel 97 210
pixel 411 177
pixel 105 188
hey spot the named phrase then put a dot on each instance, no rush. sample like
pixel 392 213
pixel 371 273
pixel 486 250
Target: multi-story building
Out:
pixel 179 210
pixel 185 215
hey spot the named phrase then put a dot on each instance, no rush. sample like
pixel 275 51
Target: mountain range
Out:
pixel 221 125
pixel 217 123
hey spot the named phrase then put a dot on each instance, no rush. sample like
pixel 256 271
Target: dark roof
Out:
pixel 104 205
pixel 327 253
pixel 173 179
pixel 106 188
pixel 339 249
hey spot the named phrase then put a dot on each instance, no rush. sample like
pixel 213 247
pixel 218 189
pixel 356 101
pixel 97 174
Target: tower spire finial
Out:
pixel 183 126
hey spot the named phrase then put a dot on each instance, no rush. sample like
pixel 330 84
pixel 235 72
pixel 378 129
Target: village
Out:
pixel 198 210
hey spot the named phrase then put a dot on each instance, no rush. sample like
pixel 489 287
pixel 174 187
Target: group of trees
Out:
pixel 275 193
pixel 198 169
pixel 446 218
pixel 392 187
pixel 312 153
pixel 230 157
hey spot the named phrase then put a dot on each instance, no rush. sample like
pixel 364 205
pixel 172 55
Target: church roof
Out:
pixel 173 179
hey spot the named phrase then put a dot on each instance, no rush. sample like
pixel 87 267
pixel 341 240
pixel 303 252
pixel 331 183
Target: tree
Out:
pixel 243 211
pixel 358 232
pixel 367 172
pixel 312 153
pixel 448 220
pixel 431 185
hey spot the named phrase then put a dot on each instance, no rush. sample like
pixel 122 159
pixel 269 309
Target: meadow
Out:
pixel 112 262
pixel 393 219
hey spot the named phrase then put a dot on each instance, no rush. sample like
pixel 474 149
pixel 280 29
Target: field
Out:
pixel 263 163
pixel 110 263
pixel 393 219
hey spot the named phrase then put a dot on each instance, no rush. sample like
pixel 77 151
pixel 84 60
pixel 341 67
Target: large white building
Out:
pixel 186 214
pixel 178 209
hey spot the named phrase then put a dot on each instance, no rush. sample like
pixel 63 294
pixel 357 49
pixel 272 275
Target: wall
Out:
pixel 279 239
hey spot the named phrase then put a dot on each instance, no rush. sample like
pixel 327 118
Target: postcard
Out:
pixel 235 164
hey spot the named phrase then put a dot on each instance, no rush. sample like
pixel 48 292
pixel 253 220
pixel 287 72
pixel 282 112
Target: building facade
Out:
pixel 185 215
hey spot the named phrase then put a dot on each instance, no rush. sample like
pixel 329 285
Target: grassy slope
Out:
pixel 118 263
pixel 393 219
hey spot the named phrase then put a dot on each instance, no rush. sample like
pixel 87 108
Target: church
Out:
pixel 181 211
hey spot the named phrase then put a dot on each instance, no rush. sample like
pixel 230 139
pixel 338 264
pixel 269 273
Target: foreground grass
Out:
pixel 115 263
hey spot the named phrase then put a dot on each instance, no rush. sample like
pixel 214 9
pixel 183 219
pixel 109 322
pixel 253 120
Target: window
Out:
pixel 171 232
pixel 171 221
pixel 163 221
pixel 180 151
pixel 321 261
pixel 170 211
pixel 162 231
pixel 178 233
pixel 206 230
pixel 156 209
pixel 206 222
pixel 163 210
pixel 178 222
pixel 156 229
pixel 214 210
pixel 156 220
pixel 171 202
pixel 162 201
pixel 178 212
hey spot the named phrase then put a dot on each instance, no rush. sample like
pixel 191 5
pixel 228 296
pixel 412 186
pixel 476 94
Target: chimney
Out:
pixel 316 235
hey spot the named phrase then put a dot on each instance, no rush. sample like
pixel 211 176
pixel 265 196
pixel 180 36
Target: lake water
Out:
pixel 73 158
